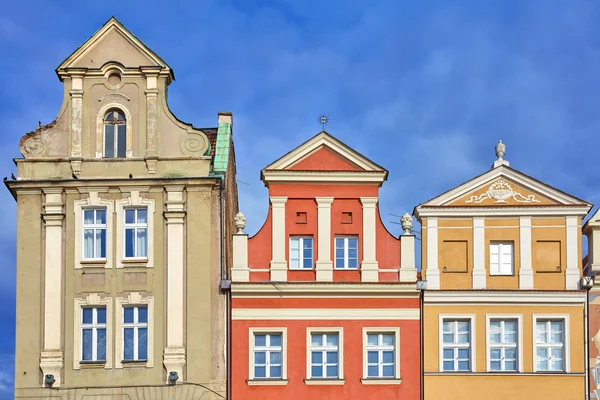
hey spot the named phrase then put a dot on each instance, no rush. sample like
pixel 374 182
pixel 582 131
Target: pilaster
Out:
pixel 479 270
pixel 525 261
pixel 433 271
pixel 572 274
pixel 324 265
pixel 76 93
pixel 239 269
pixel 151 92
pixel 174 352
pixel 278 262
pixel 369 267
pixel 408 270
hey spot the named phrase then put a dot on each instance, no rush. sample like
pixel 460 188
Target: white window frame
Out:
pixel 134 201
pixel 472 342
pixel 501 245
pixel 252 381
pixel 135 226
pixel 566 337
pixel 136 325
pixel 346 248
pixel 133 299
pixel 519 343
pixel 301 253
pixel 94 326
pixel 366 380
pixel 100 129
pixel 93 201
pixel 93 227
pixel 91 300
pixel 309 349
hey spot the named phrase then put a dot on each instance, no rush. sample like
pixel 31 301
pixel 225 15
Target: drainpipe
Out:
pixel 421 298
pixel 226 287
pixel 585 343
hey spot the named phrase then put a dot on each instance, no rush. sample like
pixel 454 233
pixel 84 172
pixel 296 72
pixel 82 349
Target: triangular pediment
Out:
pixel 324 153
pixel 113 43
pixel 504 186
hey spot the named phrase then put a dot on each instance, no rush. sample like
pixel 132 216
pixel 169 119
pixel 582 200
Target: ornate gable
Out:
pixel 324 158
pixel 501 191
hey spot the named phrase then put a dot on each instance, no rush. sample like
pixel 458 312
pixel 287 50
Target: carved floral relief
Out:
pixel 500 191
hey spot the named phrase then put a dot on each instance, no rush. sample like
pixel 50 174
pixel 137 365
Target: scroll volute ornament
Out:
pixel 194 144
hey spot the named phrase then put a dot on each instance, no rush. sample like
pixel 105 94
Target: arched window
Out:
pixel 115 134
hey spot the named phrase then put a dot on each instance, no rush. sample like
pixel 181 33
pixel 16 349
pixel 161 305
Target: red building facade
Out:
pixel 324 300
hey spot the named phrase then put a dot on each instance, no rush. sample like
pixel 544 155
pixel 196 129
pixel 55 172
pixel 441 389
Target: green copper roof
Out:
pixel 222 148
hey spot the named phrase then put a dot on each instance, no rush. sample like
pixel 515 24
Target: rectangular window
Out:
pixel 267 356
pixel 346 252
pixel 135 333
pixel 94 234
pixel 550 345
pixel 301 252
pixel 456 345
pixel 136 232
pixel 503 344
pixel 501 258
pixel 93 334
pixel 324 355
pixel 381 359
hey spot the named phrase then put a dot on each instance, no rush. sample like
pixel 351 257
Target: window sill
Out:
pixel 302 269
pixel 324 381
pixel 93 263
pixel 134 363
pixel 492 275
pixel 92 364
pixel 345 269
pixel 267 382
pixel 381 381
pixel 453 271
pixel 134 262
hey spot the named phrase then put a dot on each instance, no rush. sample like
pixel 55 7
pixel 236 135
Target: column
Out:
pixel 572 275
pixel 51 360
pixel 433 271
pixel 174 352
pixel 479 270
pixel 151 120
pixel 369 270
pixel 239 267
pixel 76 93
pixel 526 269
pixel 408 270
pixel 324 265
pixel 278 262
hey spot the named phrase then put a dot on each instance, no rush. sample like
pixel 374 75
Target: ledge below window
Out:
pixel 92 364
pixel 267 382
pixel 134 363
pixel 381 381
pixel 324 381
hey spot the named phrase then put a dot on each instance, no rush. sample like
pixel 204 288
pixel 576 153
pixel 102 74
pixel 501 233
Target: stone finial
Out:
pixel 500 151
pixel 240 222
pixel 407 223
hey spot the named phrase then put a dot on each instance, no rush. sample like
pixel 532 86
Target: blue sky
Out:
pixel 424 88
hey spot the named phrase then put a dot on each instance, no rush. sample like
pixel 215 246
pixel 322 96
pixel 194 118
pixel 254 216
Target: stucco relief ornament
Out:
pixel 34 147
pixel 502 191
pixel 240 222
pixel 406 223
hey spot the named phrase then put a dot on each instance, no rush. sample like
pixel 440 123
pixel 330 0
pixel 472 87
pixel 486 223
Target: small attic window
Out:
pixel 115 134
pixel 346 217
pixel 301 218
pixel 114 79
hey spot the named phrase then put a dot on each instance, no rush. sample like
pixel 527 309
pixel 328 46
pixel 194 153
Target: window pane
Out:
pixel 372 340
pixel 130 216
pixel 339 243
pixel 463 338
pixel 448 365
pixel 316 371
pixel 275 340
pixel 352 243
pixel 448 338
pixel 121 141
pixel 128 314
pixel 388 356
pixel 129 242
pixel 294 243
pixel 88 243
pixel 307 253
pixel 332 357
pixel 556 331
pixel 142 216
pixel 307 263
pixel 110 116
pixel 541 332
pixel 101 351
pixel 276 371
pixel 87 315
pixel 260 340
pixel 448 354
pixel 109 140
pixel 463 365
pixel 556 353
pixel 332 371
pixel 463 353
pixel 510 365
pixel 388 370
pixel 100 243
pixel 86 344
pixel 510 353
pixel 316 339
pixel 495 353
pixel 260 357
pixel 128 344
pixel 275 358
pixel 101 217
pixel 142 242
pixel 463 326
pixel 331 339
pixel 339 253
pixel 307 243
pixel 373 371
pixel 388 340
pixel 495 365
pixel 372 357
pixel 88 217
pixel 142 343
pixel 352 253
pixel 448 326
pixel 260 372
pixel 101 312
pixel 316 357
pixel 495 332
pixel 142 314
pixel 353 263
pixel 556 364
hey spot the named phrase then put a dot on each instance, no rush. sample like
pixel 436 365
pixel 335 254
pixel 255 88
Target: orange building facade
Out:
pixel 324 300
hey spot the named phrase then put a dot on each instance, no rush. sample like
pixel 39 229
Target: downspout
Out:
pixel 226 287
pixel 421 298
pixel 586 345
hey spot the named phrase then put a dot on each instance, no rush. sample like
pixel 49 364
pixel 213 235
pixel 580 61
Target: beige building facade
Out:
pixel 122 214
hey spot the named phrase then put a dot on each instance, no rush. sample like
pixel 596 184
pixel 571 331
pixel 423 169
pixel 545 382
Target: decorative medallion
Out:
pixel 502 191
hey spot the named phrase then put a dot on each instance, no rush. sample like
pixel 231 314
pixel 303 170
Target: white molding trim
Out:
pixel 465 296
pixel 100 129
pixel 134 200
pixel 267 289
pixel 324 263
pixel 572 272
pixel 324 314
pixel 133 299
pixel 512 175
pixel 509 211
pixel 94 201
pixel 329 176
pixel 479 251
pixel 284 350
pixel 392 329
pixel 519 318
pixel 369 267
pixel 278 265
pixel 472 339
pixel 566 337
pixel 322 330
pixel 526 259
pixel 432 271
pixel 92 300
